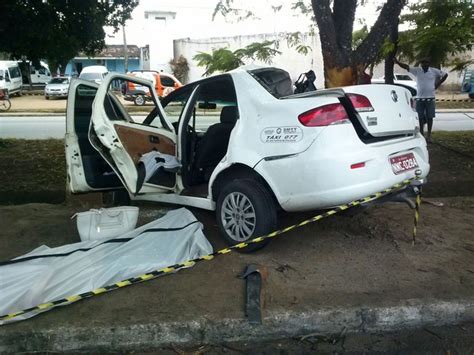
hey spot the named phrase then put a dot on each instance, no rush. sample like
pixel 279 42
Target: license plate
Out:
pixel 403 163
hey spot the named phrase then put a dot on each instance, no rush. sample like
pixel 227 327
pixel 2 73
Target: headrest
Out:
pixel 229 114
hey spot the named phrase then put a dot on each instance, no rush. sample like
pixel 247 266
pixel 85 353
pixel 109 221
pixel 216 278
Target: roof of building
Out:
pixel 113 51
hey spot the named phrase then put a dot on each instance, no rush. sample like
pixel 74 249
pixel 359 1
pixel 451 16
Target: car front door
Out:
pixel 123 142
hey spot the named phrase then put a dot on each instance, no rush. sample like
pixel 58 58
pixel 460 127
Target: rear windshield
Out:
pixel 276 81
pixel 90 76
pixel 59 81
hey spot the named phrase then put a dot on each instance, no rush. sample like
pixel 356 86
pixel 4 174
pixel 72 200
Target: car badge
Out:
pixel 394 96
pixel 371 121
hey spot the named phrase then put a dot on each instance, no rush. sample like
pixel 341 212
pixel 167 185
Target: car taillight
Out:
pixel 360 103
pixel 324 116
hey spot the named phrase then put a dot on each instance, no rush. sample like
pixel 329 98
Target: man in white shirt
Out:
pixel 428 79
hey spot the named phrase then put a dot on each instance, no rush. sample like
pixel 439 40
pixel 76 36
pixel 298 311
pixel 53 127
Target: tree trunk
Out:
pixel 389 63
pixel 342 66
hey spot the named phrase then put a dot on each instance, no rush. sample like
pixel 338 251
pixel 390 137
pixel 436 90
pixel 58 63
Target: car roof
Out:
pixel 94 69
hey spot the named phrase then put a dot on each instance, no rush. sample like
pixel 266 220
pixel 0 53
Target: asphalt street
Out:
pixel 44 127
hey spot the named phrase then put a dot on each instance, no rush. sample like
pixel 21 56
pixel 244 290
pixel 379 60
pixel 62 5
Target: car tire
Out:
pixel 46 97
pixel 139 100
pixel 245 195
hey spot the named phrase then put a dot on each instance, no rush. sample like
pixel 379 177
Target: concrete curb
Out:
pixel 408 314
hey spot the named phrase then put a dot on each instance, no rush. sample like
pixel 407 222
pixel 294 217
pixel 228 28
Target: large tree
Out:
pixel 58 30
pixel 342 64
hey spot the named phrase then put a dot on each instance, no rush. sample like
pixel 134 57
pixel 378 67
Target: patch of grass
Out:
pixel 462 142
pixel 455 104
pixel 31 167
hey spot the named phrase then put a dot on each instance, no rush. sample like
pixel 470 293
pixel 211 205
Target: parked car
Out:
pixel 163 83
pixel 402 79
pixel 94 73
pixel 246 145
pixel 57 87
pixel 10 77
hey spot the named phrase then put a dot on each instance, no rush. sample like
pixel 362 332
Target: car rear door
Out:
pixel 122 141
pixel 86 169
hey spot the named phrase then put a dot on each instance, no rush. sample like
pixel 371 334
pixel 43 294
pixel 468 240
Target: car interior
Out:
pixel 209 124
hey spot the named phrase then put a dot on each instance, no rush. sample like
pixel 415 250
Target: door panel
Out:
pixel 138 142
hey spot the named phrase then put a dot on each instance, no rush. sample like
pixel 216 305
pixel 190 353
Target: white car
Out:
pixel 247 147
pixel 95 73
pixel 57 87
pixel 400 79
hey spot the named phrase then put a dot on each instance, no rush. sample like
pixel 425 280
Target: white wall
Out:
pixel 288 60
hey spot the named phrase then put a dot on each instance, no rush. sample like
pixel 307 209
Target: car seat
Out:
pixel 213 145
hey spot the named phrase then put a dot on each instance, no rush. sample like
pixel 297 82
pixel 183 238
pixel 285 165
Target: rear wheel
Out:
pixel 245 210
pixel 139 100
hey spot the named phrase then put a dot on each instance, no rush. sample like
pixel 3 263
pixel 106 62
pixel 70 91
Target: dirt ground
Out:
pixel 353 261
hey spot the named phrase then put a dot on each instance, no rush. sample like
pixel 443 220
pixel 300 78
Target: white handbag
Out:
pixel 106 222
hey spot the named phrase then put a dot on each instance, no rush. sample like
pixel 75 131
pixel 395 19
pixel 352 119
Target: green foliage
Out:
pixel 359 36
pixel 442 28
pixel 223 59
pixel 56 29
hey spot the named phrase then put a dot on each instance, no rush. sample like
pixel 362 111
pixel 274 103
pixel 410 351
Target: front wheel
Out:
pixel 5 105
pixel 245 210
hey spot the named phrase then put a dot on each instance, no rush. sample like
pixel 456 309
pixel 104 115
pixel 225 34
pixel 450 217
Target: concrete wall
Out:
pixel 289 60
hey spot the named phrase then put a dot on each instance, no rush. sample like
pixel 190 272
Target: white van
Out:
pixel 94 73
pixel 10 77
pixel 40 75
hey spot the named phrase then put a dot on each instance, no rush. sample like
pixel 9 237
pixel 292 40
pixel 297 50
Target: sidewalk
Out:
pixel 346 273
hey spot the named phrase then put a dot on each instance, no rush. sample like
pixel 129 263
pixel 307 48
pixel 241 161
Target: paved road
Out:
pixel 30 127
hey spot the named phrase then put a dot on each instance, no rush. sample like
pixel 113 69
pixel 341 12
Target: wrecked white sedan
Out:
pixel 243 145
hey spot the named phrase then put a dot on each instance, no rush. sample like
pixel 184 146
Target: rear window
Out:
pixel 59 81
pixel 91 76
pixel 14 72
pixel 276 81
pixel 165 81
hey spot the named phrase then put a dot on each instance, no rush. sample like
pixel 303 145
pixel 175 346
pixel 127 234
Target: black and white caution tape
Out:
pixel 173 268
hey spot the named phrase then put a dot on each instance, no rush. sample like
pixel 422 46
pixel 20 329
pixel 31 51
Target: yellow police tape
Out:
pixel 173 268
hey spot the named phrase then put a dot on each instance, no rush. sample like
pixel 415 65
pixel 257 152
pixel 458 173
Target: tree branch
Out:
pixel 368 49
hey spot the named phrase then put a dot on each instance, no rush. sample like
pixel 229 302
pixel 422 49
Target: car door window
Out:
pixel 166 81
pixel 121 103
pixel 174 105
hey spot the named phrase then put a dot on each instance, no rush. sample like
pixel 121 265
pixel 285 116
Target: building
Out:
pixel 112 57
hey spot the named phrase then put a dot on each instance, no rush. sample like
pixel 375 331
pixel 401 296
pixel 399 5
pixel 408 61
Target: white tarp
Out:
pixel 172 239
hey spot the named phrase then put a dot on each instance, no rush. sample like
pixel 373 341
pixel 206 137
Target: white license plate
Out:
pixel 402 163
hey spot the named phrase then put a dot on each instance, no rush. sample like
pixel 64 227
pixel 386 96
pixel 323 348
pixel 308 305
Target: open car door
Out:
pixel 123 142
pixel 86 168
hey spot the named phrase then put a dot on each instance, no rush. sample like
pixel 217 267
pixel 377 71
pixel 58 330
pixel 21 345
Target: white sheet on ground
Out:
pixel 29 283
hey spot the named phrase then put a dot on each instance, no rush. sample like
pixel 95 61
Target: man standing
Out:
pixel 428 79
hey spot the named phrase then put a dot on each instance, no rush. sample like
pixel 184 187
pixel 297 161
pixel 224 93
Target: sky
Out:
pixel 194 19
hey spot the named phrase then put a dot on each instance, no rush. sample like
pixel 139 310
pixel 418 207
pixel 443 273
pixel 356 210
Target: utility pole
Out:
pixel 125 50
